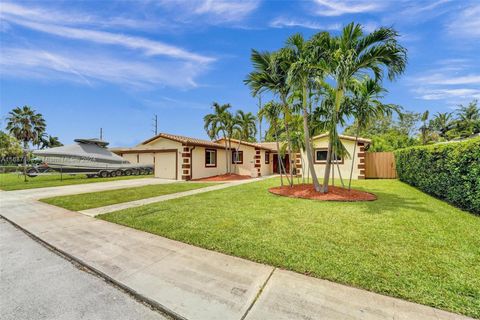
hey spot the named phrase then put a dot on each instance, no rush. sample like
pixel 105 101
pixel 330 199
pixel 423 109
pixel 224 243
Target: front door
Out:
pixel 286 163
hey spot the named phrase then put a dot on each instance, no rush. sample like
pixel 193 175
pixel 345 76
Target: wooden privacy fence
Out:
pixel 380 165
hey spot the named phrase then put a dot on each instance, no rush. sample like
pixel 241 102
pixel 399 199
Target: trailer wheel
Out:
pixel 112 174
pixel 103 174
pixel 32 172
pixel 135 172
pixel 119 172
pixel 128 172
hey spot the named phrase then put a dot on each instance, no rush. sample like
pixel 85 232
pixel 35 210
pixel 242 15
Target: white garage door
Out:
pixel 166 165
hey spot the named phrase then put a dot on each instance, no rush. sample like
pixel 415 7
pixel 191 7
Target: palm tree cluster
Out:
pixel 324 81
pixel 464 123
pixel 223 124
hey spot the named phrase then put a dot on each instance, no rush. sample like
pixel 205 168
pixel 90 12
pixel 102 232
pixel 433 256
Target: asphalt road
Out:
pixel 36 283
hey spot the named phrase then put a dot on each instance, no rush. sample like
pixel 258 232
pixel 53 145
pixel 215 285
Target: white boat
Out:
pixel 88 156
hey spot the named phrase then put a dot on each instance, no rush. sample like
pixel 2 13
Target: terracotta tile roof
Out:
pixel 185 140
pixel 246 143
pixel 343 137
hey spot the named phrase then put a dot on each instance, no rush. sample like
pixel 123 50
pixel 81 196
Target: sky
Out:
pixel 87 65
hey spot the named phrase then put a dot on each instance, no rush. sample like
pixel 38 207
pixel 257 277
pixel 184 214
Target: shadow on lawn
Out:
pixel 391 202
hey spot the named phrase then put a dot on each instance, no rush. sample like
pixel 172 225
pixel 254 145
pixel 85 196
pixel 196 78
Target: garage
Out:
pixel 166 165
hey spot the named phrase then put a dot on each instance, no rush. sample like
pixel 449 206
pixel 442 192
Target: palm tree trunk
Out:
pixel 289 143
pixel 308 145
pixel 226 152
pixel 236 151
pixel 279 161
pixel 230 153
pixel 353 158
pixel 25 146
pixel 332 134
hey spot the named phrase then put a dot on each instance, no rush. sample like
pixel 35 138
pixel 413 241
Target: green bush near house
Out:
pixel 449 171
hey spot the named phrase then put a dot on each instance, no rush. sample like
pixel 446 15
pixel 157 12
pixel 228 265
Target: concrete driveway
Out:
pixel 39 284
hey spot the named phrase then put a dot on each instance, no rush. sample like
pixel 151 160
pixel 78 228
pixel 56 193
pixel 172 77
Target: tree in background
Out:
pixel 245 129
pixel 271 112
pixel 219 122
pixel 9 147
pixel 442 123
pixel 468 120
pixel 49 141
pixel 26 125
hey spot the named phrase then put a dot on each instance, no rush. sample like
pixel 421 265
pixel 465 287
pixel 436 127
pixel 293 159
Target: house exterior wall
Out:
pixel 266 169
pixel 198 168
pixel 345 167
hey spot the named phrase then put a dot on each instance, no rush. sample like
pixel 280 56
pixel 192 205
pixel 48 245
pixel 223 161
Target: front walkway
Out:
pixel 193 283
pixel 137 203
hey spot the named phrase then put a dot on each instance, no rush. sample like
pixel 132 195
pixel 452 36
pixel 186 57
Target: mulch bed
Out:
pixel 306 191
pixel 224 177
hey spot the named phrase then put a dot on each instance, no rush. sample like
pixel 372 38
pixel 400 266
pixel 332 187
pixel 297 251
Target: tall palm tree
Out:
pixel 425 128
pixel 271 74
pixel 27 126
pixel 442 123
pixel 271 112
pixel 468 119
pixel 351 55
pixel 219 122
pixel 366 106
pixel 245 128
pixel 300 72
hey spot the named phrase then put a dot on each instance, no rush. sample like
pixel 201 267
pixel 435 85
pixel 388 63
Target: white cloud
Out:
pixel 466 23
pixel 216 11
pixel 88 68
pixel 150 47
pixel 453 95
pixel 341 7
pixel 55 16
pixel 454 80
pixel 282 22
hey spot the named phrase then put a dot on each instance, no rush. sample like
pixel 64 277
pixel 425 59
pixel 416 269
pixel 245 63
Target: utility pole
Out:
pixel 155 124
pixel 259 120
pixel 101 133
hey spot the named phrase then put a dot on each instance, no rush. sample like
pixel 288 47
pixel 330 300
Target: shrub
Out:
pixel 449 171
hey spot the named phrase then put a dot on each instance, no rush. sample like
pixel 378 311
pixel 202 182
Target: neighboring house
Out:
pixel 184 158
pixel 320 147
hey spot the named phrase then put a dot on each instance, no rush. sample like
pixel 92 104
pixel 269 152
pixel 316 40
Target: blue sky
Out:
pixel 91 64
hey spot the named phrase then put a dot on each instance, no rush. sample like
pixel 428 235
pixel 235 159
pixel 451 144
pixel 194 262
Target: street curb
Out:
pixel 151 303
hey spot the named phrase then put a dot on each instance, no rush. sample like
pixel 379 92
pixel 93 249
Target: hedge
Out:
pixel 449 171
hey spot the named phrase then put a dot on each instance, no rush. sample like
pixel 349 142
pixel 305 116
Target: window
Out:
pixel 210 158
pixel 321 156
pixel 237 157
pixel 267 157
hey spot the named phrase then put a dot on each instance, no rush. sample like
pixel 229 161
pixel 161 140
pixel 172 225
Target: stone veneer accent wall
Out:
pixel 186 163
pixel 361 159
pixel 298 164
pixel 258 160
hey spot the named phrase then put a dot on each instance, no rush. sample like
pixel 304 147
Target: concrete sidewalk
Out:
pixel 188 282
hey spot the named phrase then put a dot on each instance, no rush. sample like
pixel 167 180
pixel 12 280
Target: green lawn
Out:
pixel 13 181
pixel 104 198
pixel 405 244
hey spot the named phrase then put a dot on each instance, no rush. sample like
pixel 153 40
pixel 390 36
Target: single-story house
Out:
pixel 320 147
pixel 185 158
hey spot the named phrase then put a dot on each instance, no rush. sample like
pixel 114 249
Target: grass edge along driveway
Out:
pixel 406 244
pixel 12 181
pixel 91 200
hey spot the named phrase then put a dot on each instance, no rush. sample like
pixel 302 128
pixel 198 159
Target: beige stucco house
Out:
pixel 320 147
pixel 185 158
